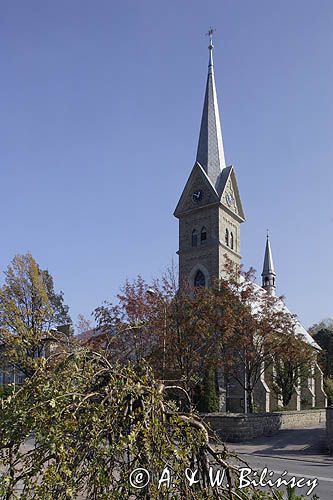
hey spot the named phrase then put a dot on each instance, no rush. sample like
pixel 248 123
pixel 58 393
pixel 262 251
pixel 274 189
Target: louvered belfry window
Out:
pixel 199 279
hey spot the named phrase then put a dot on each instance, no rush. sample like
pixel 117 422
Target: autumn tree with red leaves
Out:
pixel 233 326
pixel 257 332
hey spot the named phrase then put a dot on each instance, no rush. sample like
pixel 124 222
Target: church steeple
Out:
pixel 209 210
pixel 268 272
pixel 210 153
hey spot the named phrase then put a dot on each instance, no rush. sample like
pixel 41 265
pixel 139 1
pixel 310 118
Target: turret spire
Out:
pixel 268 273
pixel 210 153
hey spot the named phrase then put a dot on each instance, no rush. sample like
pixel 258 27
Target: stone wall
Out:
pixel 320 395
pixel 301 419
pixel 329 429
pixel 237 427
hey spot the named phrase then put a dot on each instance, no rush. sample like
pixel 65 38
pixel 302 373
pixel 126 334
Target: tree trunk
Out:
pixel 250 401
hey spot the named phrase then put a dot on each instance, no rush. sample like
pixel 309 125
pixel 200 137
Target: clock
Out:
pixel 197 195
pixel 230 199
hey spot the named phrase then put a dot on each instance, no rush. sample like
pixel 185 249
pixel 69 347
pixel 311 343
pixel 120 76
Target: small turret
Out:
pixel 268 273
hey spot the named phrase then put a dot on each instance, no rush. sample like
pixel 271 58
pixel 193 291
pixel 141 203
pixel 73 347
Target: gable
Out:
pixel 197 181
pixel 229 193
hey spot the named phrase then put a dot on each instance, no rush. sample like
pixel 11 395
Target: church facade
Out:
pixel 210 214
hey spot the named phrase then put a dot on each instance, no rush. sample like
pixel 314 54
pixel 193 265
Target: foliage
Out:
pixel 29 308
pixel 234 325
pixel 127 328
pixel 291 367
pixel 170 328
pixel 257 329
pixel 90 424
pixel 328 388
pixel 6 390
pixel 324 338
pixel 326 323
pixel 208 397
pixel 293 496
pixel 60 310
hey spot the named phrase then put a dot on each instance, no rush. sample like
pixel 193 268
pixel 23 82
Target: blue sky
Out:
pixel 100 111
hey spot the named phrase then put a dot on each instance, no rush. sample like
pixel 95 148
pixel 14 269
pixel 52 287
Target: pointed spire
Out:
pixel 268 272
pixel 210 153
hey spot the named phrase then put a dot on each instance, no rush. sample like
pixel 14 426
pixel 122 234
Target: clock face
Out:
pixel 197 195
pixel 230 199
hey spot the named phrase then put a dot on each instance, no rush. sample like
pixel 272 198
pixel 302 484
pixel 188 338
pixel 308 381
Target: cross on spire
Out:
pixel 210 34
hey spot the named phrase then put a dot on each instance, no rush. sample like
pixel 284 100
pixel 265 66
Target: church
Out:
pixel 210 214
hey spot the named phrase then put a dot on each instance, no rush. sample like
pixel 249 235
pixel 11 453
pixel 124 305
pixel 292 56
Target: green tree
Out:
pixel 324 338
pixel 328 387
pixel 324 323
pixel 291 366
pixel 208 392
pixel 93 424
pixel 322 333
pixel 90 424
pixel 29 309
pixel 60 310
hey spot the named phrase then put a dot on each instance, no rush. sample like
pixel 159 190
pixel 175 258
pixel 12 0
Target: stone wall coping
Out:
pixel 262 415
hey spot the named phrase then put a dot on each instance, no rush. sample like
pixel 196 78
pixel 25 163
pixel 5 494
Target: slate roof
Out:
pixel 268 267
pixel 299 328
pixel 210 152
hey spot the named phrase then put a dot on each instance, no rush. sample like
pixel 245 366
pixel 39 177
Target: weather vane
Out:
pixel 210 34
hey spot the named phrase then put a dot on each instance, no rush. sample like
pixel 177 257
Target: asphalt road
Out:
pixel 312 472
pixel 299 452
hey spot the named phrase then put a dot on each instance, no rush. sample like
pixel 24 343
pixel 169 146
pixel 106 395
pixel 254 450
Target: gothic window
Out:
pixel 266 281
pixel 203 235
pixel 232 241
pixel 273 281
pixel 227 237
pixel 199 279
pixel 194 238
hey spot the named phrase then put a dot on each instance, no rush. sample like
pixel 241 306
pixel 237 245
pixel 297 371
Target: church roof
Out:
pixel 268 267
pixel 299 329
pixel 210 153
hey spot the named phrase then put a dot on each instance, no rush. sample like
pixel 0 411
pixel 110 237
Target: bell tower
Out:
pixel 210 211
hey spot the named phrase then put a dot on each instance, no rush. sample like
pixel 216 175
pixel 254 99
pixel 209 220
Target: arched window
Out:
pixel 227 237
pixel 232 241
pixel 203 235
pixel 273 281
pixel 199 279
pixel 194 238
pixel 266 281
